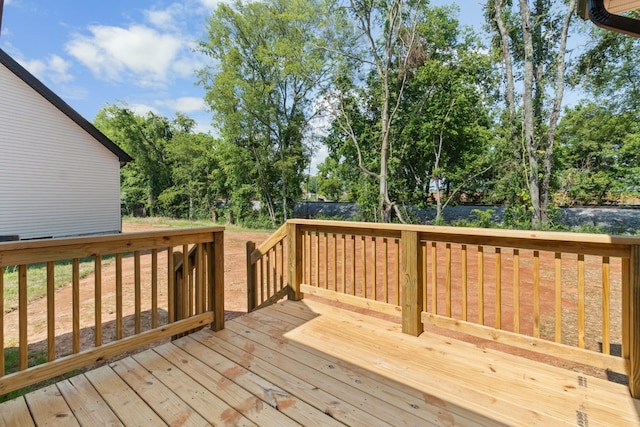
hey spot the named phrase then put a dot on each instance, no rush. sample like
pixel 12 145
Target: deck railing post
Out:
pixel 633 305
pixel 294 258
pixel 252 279
pixel 217 291
pixel 411 250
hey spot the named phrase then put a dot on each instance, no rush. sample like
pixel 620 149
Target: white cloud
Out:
pixel 187 104
pixel 211 4
pixel 168 18
pixel 54 68
pixel 142 109
pixel 118 54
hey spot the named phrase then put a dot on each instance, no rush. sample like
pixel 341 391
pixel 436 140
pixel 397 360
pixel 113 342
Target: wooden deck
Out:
pixel 306 363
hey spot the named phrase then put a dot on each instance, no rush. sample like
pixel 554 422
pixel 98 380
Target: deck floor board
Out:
pixel 307 363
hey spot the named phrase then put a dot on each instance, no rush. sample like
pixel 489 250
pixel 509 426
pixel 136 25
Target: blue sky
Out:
pixel 96 52
pixel 121 51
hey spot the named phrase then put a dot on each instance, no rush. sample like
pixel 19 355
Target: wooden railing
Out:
pixel 123 311
pixel 573 296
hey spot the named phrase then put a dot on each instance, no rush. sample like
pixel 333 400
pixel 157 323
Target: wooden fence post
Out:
pixel 633 305
pixel 294 261
pixel 252 279
pixel 217 264
pixel 411 283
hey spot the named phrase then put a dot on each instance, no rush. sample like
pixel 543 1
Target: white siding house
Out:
pixel 59 175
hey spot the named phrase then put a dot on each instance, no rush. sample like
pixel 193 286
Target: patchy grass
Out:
pixel 37 279
pixel 11 363
pixel 184 223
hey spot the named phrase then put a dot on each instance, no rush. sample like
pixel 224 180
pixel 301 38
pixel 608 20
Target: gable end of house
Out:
pixel 61 105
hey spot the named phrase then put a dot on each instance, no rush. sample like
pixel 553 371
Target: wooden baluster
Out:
pixel 274 269
pixel 97 274
pixel 267 257
pixel 317 259
pixel 498 274
pixel 119 329
pixel 481 285
pixel 282 272
pixel 186 300
pixel 76 304
pixel 252 279
pixel 171 290
pixel 309 273
pixel 353 265
pixel 22 317
pixel 631 304
pixel 463 254
pixel 385 281
pixel 363 262
pixel 606 290
pixel 448 279
pixel 201 298
pixel 626 306
pixel 138 291
pixel 536 294
pixel 154 288
pixel 581 313
pixel 423 260
pixel 335 262
pixel 261 280
pixel 344 264
pixel 374 272
pixel 434 277
pixel 326 260
pixel 558 297
pixel 397 278
pixel 516 291
pixel 51 310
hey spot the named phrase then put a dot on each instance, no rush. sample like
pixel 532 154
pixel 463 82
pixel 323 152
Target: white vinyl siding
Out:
pixel 55 179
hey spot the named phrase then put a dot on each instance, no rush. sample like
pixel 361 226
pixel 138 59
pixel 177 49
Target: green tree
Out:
pixel 532 41
pixel 268 70
pixel 420 116
pixel 597 154
pixel 145 139
pixel 609 68
pixel 192 161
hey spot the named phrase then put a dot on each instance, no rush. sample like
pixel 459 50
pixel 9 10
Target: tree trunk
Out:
pixel 528 115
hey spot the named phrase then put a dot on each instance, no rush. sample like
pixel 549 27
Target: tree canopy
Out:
pixel 415 110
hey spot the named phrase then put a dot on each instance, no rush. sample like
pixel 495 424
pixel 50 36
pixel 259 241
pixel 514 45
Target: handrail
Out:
pixel 129 312
pixel 264 265
pixel 515 287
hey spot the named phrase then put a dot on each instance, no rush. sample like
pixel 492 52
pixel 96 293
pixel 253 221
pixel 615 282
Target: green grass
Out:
pixel 185 223
pixel 11 361
pixel 37 279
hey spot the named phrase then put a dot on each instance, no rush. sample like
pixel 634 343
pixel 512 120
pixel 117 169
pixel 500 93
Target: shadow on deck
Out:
pixel 306 363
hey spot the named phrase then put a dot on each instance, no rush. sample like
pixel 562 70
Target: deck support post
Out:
pixel 216 263
pixel 633 307
pixel 294 261
pixel 252 279
pixel 411 251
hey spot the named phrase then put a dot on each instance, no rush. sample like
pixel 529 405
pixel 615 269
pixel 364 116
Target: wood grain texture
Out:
pixel 307 363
